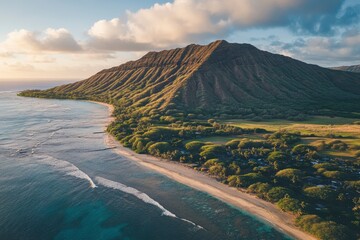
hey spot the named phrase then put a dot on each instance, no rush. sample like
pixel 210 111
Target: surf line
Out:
pixel 140 195
pixel 66 167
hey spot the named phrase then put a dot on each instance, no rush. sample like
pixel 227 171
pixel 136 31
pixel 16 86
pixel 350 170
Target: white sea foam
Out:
pixel 140 195
pixel 66 167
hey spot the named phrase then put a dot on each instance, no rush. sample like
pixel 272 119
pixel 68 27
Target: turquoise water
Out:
pixel 52 155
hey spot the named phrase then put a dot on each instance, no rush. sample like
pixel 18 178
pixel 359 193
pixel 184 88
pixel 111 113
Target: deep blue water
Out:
pixel 52 151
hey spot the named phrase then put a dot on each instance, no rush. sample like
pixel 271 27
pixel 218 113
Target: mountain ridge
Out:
pixel 352 68
pixel 218 78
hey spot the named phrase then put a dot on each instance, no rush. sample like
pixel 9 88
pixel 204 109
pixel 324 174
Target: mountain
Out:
pixel 353 68
pixel 219 78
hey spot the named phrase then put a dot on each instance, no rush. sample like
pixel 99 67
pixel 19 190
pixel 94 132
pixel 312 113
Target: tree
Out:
pixel 325 230
pixel 277 193
pixel 320 192
pixel 211 162
pixel 161 133
pixel 234 181
pixel 233 169
pixel 334 174
pixel 233 144
pixel 260 189
pixel 140 147
pixel 302 149
pixel 290 175
pixel 218 170
pixel 194 146
pixel 283 138
pixel 212 151
pixel 288 204
pixel 250 178
pixel 159 148
pixel 278 159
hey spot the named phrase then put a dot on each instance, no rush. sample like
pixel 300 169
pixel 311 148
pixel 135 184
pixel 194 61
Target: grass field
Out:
pixel 224 139
pixel 323 128
pixel 319 126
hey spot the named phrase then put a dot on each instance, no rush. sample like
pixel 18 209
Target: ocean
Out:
pixel 58 180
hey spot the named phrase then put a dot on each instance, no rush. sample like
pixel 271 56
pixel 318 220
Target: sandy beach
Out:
pixel 202 182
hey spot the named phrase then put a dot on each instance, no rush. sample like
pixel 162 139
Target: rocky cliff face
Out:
pixel 220 76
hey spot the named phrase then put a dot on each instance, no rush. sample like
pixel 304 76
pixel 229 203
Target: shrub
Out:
pixel 302 149
pixel 326 166
pixel 194 146
pixel 233 169
pixel 159 148
pixel 212 151
pixel 260 189
pixel 325 230
pixel 355 185
pixel 288 204
pixel 284 138
pixel 218 170
pixel 278 159
pixel 290 175
pixel 320 192
pixel 211 162
pixel 277 193
pixel 159 133
pixel 233 144
pixel 337 145
pixel 234 181
pixel 277 156
pixel 334 174
pixel 250 178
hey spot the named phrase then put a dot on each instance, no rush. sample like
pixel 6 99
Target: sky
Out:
pixel 74 39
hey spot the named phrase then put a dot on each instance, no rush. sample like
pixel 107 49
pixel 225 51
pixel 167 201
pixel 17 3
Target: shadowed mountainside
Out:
pixel 219 78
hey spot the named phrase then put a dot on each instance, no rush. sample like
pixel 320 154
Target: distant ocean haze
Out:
pixel 23 84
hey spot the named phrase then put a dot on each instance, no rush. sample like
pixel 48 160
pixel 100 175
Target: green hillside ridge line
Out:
pixel 219 78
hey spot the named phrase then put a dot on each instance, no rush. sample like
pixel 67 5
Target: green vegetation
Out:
pixel 307 165
pixel 277 166
pixel 323 229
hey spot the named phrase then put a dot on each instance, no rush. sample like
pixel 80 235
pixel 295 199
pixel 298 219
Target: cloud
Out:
pixel 328 51
pixel 6 54
pixel 322 29
pixel 51 40
pixel 18 66
pixel 185 21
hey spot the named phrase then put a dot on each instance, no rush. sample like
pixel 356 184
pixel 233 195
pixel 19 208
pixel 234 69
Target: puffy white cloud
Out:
pixel 319 24
pixel 104 29
pixel 185 21
pixel 51 40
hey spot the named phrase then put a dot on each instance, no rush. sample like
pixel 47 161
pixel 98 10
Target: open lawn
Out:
pixel 224 139
pixel 319 126
pixel 323 128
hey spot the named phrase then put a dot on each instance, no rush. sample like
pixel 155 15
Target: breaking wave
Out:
pixel 140 195
pixel 66 167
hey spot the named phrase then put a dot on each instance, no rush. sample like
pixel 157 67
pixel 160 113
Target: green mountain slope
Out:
pixel 219 78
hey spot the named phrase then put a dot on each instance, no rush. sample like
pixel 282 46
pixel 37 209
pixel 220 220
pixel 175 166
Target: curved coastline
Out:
pixel 202 182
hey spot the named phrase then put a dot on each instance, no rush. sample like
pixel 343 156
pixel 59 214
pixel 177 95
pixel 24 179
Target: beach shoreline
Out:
pixel 265 211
